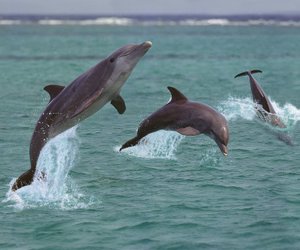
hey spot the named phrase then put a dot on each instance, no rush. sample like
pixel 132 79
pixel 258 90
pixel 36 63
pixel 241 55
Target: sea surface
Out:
pixel 172 192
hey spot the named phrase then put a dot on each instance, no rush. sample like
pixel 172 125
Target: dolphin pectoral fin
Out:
pixel 53 90
pixel 188 131
pixel 87 103
pixel 119 104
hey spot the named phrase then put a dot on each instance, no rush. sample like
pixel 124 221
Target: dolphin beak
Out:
pixel 223 148
pixel 147 44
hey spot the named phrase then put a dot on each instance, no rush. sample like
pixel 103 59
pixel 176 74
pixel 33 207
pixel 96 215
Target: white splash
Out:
pixel 161 144
pixel 235 108
pixel 51 185
pixel 289 114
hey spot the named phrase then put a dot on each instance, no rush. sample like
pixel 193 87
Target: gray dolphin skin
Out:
pixel 187 118
pixel 267 113
pixel 83 97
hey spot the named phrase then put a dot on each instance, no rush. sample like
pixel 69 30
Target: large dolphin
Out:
pixel 83 97
pixel 265 110
pixel 187 118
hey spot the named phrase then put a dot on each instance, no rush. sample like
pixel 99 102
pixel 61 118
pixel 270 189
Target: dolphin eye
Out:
pixel 112 60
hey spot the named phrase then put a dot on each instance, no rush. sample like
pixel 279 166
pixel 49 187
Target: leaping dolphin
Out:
pixel 187 118
pixel 83 97
pixel 266 112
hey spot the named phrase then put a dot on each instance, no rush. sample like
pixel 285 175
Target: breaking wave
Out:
pixel 98 21
pixel 51 185
pixel 151 21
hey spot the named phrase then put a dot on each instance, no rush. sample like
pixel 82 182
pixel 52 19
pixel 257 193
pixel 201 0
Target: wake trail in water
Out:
pixel 55 189
pixel 161 144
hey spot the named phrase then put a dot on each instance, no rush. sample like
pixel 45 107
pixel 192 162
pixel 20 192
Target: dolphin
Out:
pixel 187 118
pixel 265 110
pixel 88 93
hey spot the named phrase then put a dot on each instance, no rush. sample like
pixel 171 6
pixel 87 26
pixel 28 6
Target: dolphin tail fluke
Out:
pixel 132 142
pixel 24 180
pixel 247 73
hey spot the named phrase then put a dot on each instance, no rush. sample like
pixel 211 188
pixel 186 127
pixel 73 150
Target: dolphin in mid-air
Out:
pixel 265 110
pixel 83 97
pixel 187 118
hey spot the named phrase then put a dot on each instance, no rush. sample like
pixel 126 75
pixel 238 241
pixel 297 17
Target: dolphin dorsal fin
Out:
pixel 53 90
pixel 176 95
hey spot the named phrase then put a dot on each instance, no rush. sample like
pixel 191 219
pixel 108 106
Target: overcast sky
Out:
pixel 119 7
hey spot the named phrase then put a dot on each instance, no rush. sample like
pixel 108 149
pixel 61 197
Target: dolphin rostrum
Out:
pixel 83 97
pixel 187 118
pixel 265 110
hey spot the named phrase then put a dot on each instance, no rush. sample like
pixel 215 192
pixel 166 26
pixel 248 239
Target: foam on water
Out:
pixel 161 144
pixel 51 185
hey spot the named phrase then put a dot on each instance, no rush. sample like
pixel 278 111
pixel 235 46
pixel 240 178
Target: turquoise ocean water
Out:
pixel 174 192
